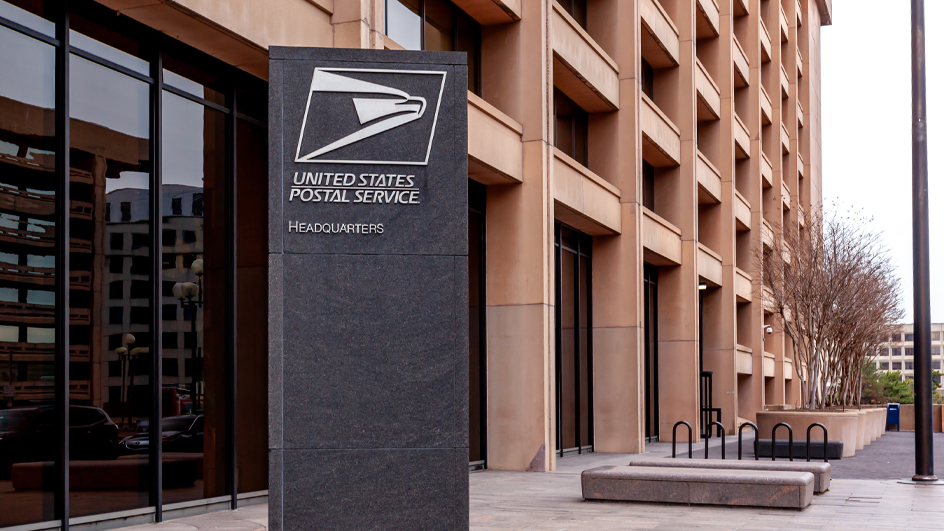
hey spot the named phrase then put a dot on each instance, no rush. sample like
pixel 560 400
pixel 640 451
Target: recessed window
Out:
pixel 140 289
pixel 896 351
pixel 576 9
pixel 168 237
pixel 570 131
pixel 648 186
pixel 436 25
pixel 116 290
pixel 909 337
pixel 647 79
pixel 115 314
pixel 116 241
pixel 125 211
pixel 176 207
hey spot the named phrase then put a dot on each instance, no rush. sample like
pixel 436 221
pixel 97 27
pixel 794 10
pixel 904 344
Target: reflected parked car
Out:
pixel 182 433
pixel 31 434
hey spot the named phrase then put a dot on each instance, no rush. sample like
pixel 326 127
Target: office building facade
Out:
pixel 627 162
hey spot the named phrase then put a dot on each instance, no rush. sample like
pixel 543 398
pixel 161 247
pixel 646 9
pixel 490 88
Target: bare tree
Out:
pixel 831 284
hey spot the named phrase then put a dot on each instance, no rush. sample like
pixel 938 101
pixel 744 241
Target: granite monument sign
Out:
pixel 368 276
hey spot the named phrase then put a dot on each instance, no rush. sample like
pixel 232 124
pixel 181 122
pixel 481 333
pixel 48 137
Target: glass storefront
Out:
pixel 574 342
pixel 126 159
pixel 477 337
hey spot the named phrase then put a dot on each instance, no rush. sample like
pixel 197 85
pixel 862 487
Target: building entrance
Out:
pixel 574 342
pixel 651 349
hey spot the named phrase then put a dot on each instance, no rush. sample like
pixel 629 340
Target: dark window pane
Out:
pixel 28 161
pixel 909 337
pixel 169 340
pixel 116 265
pixel 190 236
pixel 440 26
pixel 169 312
pixel 110 149
pixel 107 212
pixel 140 289
pixel 576 9
pixel 194 140
pixel 114 369
pixel 140 315
pixel 169 367
pixel 167 288
pixel 647 79
pixel 197 204
pixel 140 265
pixel 116 290
pixel 468 40
pixel 169 237
pixel 648 186
pixel 140 241
pixel 571 123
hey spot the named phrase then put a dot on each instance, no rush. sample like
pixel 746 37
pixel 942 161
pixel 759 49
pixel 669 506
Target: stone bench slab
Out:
pixel 699 486
pixel 821 471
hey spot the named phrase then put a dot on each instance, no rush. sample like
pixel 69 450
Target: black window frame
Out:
pixel 155 46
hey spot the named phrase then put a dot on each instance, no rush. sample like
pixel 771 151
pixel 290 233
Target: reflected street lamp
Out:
pixel 190 296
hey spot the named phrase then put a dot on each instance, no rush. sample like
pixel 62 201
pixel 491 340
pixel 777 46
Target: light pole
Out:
pixel 126 356
pixel 185 293
pixel 924 449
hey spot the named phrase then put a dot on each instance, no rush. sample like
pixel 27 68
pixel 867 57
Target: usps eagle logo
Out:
pixel 370 116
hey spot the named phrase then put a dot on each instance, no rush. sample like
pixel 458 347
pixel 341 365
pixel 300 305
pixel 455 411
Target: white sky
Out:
pixel 866 88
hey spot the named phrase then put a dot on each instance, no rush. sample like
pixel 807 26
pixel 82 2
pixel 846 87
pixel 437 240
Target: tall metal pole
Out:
pixel 924 449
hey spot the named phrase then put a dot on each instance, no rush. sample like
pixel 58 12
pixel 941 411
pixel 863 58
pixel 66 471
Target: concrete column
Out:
pixel 520 265
pixel 618 363
pixel 678 286
pixel 358 24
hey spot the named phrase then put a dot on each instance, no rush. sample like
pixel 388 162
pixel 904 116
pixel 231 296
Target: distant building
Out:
pixel 898 353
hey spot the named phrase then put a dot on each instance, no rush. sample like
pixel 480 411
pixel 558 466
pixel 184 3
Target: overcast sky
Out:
pixel 866 88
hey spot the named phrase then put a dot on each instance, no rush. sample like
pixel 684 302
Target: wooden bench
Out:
pixel 821 471
pixel 699 486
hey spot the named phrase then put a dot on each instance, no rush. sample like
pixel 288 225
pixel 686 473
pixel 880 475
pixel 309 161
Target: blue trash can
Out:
pixel 892 417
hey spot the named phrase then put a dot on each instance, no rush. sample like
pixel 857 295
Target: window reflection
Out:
pixel 193 350
pixel 28 421
pixel 109 312
pixel 404 24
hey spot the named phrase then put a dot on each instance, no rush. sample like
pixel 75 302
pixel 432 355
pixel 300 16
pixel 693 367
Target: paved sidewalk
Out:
pixel 523 500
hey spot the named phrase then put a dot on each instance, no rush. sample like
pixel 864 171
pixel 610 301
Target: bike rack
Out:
pixel 773 441
pixel 723 433
pixel 674 428
pixel 741 434
pixel 825 442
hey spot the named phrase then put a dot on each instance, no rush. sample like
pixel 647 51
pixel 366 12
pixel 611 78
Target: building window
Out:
pixel 140 289
pixel 116 265
pixel 436 25
pixel 936 365
pixel 116 241
pixel 169 312
pixel 909 337
pixel 169 237
pixel 570 131
pixel 169 341
pixel 909 351
pixel 125 211
pixel 107 212
pixel 196 206
pixel 576 9
pixel 140 315
pixel 169 367
pixel 190 236
pixel 116 290
pixel 648 186
pixel 896 351
pixel 140 241
pixel 647 79
pixel 909 365
pixel 885 365
pixel 140 265
pixel 176 208
pixel 115 314
pixel 935 336
pixel 896 366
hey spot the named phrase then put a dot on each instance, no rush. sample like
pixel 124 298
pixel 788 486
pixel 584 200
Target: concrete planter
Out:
pixel 907 417
pixel 842 426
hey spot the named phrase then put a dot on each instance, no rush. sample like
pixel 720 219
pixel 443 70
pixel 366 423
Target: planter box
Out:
pixel 842 426
pixel 906 416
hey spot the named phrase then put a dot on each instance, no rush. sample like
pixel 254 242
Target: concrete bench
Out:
pixel 701 486
pixel 799 449
pixel 821 471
